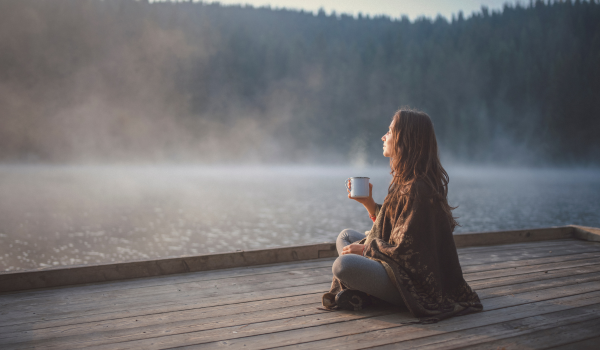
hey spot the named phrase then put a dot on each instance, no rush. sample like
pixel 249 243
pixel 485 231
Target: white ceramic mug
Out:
pixel 359 187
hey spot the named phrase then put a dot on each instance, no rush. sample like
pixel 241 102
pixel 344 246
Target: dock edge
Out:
pixel 83 274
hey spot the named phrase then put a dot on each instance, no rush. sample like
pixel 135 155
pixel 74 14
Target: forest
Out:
pixel 85 81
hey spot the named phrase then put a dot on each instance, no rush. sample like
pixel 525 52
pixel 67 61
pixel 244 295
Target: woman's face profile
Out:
pixel 387 141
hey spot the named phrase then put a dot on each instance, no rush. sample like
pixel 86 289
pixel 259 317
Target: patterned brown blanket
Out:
pixel 416 247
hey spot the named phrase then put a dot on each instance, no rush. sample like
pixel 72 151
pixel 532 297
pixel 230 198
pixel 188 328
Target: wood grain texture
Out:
pixel 513 236
pixel 526 289
pixel 565 334
pixel 486 336
pixel 356 338
pixel 526 262
pixel 586 233
pixel 54 277
pixel 70 296
pixel 182 331
pixel 489 287
pixel 148 282
pixel 211 297
pixel 56 304
pixel 586 344
pixel 361 333
pixel 501 258
pixel 486 288
pixel 74 275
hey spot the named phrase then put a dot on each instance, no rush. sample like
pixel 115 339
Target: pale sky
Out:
pixel 391 8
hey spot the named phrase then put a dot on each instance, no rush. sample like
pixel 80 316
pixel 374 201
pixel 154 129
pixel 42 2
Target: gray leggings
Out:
pixel 364 274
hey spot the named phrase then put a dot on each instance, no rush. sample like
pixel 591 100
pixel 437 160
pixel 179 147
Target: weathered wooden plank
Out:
pixel 112 300
pixel 53 277
pixel 525 253
pixel 95 312
pixel 562 335
pixel 203 292
pixel 89 306
pixel 475 276
pixel 70 295
pixel 494 287
pixel 537 295
pixel 170 282
pixel 579 274
pixel 117 340
pixel 225 273
pixel 204 288
pixel 134 328
pixel 587 233
pixel 314 298
pixel 311 321
pixel 561 243
pixel 485 258
pixel 352 335
pixel 587 344
pixel 363 333
pixel 77 287
pixel 88 316
pixel 20 313
pixel 169 288
pixel 248 271
pixel 75 292
pixel 526 262
pixel 216 314
pixel 146 282
pixel 206 309
pixel 529 287
pixel 542 286
pixel 479 336
pixel 553 243
pixel 514 236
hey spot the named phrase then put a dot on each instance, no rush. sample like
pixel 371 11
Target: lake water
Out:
pixel 60 215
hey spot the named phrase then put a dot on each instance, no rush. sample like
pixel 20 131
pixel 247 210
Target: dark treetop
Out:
pixel 124 79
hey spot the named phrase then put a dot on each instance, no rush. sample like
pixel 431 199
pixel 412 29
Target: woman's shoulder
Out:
pixel 417 188
pixel 422 187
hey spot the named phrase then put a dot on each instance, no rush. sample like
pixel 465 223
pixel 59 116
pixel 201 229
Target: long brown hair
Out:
pixel 415 157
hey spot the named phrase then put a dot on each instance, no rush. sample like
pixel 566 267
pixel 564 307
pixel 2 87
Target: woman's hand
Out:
pixel 361 200
pixel 353 249
pixel 368 202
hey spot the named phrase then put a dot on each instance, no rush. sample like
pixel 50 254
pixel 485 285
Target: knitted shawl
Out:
pixel 416 248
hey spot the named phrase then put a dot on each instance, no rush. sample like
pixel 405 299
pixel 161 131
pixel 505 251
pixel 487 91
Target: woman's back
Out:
pixel 411 241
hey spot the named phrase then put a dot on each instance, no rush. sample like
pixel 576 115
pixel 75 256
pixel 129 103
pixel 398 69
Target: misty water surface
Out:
pixel 53 216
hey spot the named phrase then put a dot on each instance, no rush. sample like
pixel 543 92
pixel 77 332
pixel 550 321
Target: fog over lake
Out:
pixel 67 215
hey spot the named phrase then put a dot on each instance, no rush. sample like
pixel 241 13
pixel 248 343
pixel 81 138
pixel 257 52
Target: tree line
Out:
pixel 123 80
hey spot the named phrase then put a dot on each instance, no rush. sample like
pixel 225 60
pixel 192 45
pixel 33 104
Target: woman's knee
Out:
pixel 348 236
pixel 345 266
pixel 345 234
pixel 343 240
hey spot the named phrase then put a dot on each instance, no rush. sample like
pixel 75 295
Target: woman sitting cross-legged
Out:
pixel 408 258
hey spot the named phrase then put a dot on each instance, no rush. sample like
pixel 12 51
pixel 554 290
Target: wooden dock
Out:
pixel 542 292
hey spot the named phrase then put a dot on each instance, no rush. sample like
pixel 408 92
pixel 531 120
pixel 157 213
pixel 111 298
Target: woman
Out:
pixel 408 258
